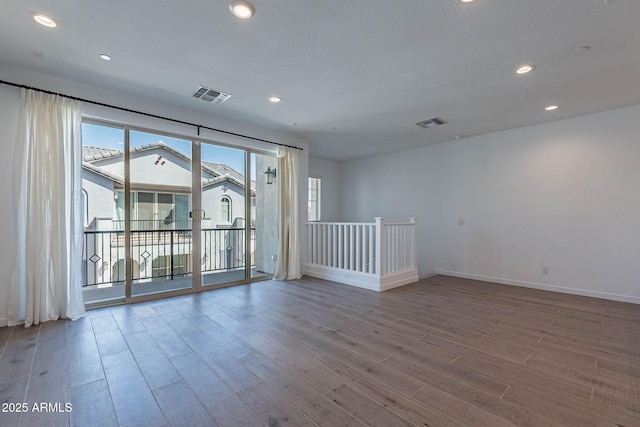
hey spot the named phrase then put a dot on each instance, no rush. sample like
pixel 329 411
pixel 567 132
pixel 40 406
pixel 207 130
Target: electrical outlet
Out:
pixel 274 257
pixel 545 269
pixel 462 221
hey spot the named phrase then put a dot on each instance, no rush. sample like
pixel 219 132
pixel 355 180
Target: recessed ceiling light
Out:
pixel 524 69
pixel 552 107
pixel 242 9
pixel 466 1
pixel 105 57
pixel 275 99
pixel 45 20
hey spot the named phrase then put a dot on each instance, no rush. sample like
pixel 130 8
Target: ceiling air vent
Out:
pixel 431 123
pixel 210 95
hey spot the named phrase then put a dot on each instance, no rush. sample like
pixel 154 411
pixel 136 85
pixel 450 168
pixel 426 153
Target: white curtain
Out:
pixel 289 258
pixel 48 211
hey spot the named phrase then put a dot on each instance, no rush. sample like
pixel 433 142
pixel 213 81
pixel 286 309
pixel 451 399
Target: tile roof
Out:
pixel 91 154
pixel 222 171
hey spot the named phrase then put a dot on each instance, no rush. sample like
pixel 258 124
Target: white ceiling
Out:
pixel 354 75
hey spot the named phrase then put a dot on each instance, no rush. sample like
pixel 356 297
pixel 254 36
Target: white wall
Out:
pixel 9 110
pixel 212 205
pixel 565 194
pixel 329 171
pixel 99 197
pixel 266 221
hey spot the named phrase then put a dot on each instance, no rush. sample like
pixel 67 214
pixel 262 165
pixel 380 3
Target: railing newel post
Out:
pixel 379 245
pixel 414 242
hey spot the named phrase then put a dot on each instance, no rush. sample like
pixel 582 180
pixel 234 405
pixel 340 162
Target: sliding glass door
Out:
pixel 224 191
pixel 104 249
pixel 161 236
pixel 167 215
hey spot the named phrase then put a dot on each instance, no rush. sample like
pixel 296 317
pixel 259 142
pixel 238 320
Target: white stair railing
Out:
pixel 369 250
pixel 400 243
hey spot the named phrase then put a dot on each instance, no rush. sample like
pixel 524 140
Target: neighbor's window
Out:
pixel 225 207
pixel 314 198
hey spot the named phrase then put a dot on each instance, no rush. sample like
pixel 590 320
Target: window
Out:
pixel 314 198
pixel 145 209
pixel 225 209
pixel 153 211
pixel 164 207
pixel 181 211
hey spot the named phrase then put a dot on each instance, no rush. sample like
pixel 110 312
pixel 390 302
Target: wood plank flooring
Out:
pixel 440 352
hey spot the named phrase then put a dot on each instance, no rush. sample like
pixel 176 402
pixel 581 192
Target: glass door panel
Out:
pixel 181 211
pixel 143 211
pixel 161 237
pixel 103 257
pixel 223 227
pixel 165 211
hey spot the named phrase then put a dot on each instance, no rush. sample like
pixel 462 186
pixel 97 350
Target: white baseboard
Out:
pixel 352 278
pixel 3 322
pixel 542 286
pixel 395 280
pixel 361 280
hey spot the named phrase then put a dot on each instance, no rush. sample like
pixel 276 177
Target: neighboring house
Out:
pixel 160 187
pixel 160 205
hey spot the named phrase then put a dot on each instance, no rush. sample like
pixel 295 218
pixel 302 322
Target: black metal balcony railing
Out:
pixel 153 224
pixel 160 254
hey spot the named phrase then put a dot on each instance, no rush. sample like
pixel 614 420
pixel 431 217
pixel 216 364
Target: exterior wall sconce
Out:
pixel 270 174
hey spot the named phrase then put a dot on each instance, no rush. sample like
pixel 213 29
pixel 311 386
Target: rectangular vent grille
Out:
pixel 431 123
pixel 210 95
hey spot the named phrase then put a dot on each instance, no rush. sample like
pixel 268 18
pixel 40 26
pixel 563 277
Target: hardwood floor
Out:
pixel 441 352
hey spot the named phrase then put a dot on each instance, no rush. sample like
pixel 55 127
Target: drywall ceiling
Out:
pixel 355 76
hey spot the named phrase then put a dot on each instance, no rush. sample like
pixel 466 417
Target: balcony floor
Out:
pixel 109 292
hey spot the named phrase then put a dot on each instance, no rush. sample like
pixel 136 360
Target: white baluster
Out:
pixel 380 263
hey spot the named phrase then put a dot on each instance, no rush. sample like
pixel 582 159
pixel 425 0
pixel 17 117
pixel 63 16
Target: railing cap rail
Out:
pixel 340 223
pixel 167 230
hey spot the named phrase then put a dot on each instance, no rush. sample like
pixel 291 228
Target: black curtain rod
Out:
pixel 147 114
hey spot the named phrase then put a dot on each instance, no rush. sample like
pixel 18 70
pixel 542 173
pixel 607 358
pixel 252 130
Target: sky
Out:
pixel 109 137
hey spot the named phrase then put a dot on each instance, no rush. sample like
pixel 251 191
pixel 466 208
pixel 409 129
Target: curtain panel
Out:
pixel 289 258
pixel 48 210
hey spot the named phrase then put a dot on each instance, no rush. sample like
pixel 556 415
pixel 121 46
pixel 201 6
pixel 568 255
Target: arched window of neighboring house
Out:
pixel 225 209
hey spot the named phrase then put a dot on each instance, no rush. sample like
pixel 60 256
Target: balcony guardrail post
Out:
pixel 171 253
